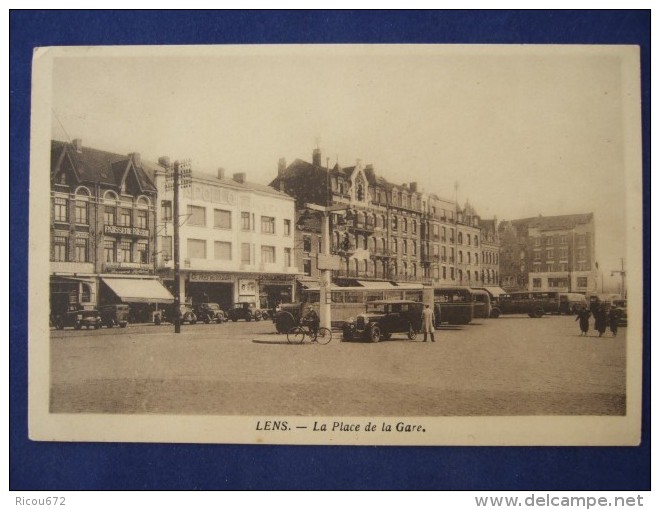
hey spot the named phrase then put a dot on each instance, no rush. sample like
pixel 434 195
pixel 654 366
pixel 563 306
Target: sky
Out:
pixel 522 132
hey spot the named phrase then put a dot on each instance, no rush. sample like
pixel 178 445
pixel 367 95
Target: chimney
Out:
pixel 221 173
pixel 77 145
pixel 135 157
pixel 316 157
pixel 164 161
pixel 281 166
pixel 240 177
pixel 413 187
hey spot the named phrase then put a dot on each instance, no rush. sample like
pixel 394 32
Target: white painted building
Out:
pixel 236 240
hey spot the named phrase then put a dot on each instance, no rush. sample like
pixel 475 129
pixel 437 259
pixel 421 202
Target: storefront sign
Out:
pixel 283 280
pixel 247 287
pixel 127 268
pixel 213 194
pixel 211 277
pixel 127 231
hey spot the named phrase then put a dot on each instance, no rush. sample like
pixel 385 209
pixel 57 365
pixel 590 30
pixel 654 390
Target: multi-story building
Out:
pixel 549 253
pixel 102 228
pixel 236 239
pixel 385 231
pixel 490 253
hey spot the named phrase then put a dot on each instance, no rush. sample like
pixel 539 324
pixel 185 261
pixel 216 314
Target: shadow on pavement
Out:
pixel 272 342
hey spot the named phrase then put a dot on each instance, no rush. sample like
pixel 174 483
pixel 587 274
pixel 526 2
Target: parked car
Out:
pixel 244 311
pixel 168 314
pixel 622 308
pixel 384 318
pixel 78 319
pixel 287 315
pixel 209 312
pixel 114 315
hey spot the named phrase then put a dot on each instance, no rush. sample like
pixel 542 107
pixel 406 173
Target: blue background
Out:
pixel 92 466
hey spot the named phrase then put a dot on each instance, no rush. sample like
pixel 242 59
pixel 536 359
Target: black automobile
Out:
pixel 244 311
pixel 622 311
pixel 209 312
pixel 168 314
pixel 384 318
pixel 114 315
pixel 79 319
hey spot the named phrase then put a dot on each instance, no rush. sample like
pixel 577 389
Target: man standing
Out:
pixel 428 322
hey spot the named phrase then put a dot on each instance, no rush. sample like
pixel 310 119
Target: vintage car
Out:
pixel 244 311
pixel 209 312
pixel 114 315
pixel 622 310
pixel 287 315
pixel 384 318
pixel 79 319
pixel 168 314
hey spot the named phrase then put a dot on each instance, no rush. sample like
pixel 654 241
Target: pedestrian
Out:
pixel 583 316
pixel 600 324
pixel 614 320
pixel 428 322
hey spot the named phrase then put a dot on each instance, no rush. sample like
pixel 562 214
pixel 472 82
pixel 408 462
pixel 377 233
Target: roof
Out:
pixel 566 221
pixel 94 165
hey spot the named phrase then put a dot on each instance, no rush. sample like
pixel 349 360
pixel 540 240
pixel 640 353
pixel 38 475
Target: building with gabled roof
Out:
pixel 102 229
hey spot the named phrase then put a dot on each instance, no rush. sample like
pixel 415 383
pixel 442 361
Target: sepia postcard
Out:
pixel 336 244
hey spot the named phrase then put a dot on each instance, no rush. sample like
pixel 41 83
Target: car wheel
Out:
pixel 78 325
pixel 538 312
pixel 207 320
pixel 248 318
pixel 157 320
pixel 412 334
pixel 234 319
pixel 495 313
pixel 375 334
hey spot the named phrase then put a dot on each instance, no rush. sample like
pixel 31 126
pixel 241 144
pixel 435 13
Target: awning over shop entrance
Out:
pixel 495 291
pixel 139 291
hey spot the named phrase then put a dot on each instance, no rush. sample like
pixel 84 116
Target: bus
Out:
pixel 347 302
pixel 453 305
pixel 533 303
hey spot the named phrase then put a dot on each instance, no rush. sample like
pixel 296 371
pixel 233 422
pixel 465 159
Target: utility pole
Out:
pixel 621 272
pixel 180 176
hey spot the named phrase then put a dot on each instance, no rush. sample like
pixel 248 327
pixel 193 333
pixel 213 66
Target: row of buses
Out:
pixel 452 305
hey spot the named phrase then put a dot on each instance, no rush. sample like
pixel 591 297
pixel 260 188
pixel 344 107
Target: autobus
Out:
pixel 533 303
pixel 347 302
pixel 571 302
pixel 453 305
pixel 481 307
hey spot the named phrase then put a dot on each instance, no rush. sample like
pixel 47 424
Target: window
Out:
pixel 196 249
pixel 563 253
pixel 536 283
pixel 221 250
pixel 451 235
pixel 221 218
pixel 81 212
pixel 444 273
pixel 395 222
pixel 143 252
pixel 395 247
pixel 81 249
pixel 60 248
pixel 582 281
pixel 549 267
pixel 307 267
pixel 166 247
pixel 469 240
pixel 581 253
pixel 245 221
pixel 476 258
pixel 405 224
pixel 267 225
pixel 549 241
pixel 110 215
pixel 537 255
pixel 451 273
pixel 414 247
pixel 436 231
pixel 460 238
pixel 476 240
pixel 166 210
pixel 444 234
pixel 563 240
pixel 360 192
pixel 142 218
pixel 287 257
pixel 125 217
pixel 469 257
pixel 460 257
pixel 405 247
pixel 287 227
pixel 61 209
pixel 537 241
pixel 245 253
pixel 109 250
pixel 414 226
pixel 307 243
pixel 196 216
pixel 268 254
pixel 125 251
pixel 549 253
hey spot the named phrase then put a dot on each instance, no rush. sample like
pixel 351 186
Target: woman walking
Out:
pixel 614 320
pixel 583 316
pixel 601 320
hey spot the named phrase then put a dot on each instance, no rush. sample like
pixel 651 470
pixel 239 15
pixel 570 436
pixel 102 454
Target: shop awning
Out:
pixel 139 291
pixel 310 285
pixel 375 285
pixel 496 291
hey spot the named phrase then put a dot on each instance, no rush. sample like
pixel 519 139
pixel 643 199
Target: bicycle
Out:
pixel 297 335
